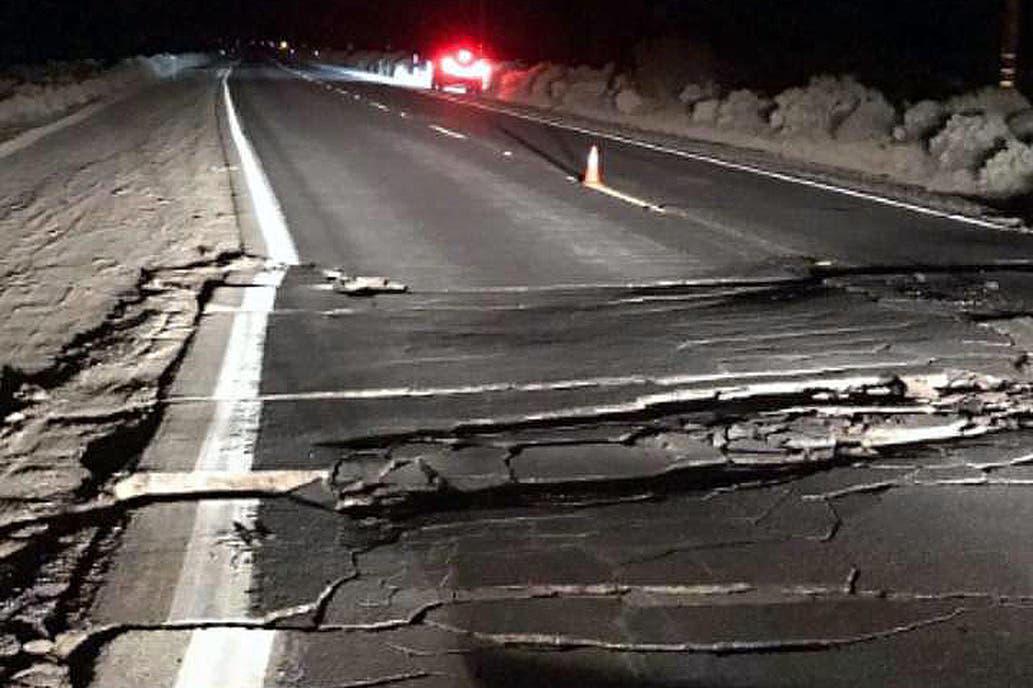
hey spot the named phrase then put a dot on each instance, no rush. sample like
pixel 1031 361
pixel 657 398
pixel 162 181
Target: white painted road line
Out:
pixel 152 484
pixel 447 132
pixel 226 658
pixel 627 198
pixel 216 576
pixel 380 106
pixel 559 385
pixel 279 244
pixel 214 579
pixel 728 164
pixel 699 157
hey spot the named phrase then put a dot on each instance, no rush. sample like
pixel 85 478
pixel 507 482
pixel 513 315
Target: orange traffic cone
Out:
pixel 592 175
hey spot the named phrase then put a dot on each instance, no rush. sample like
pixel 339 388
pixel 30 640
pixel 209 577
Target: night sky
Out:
pixel 762 43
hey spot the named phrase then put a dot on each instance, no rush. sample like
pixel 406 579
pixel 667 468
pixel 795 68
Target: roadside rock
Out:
pixel 744 110
pixel 967 140
pixel 631 102
pixel 586 89
pixel 871 120
pixel 541 90
pixel 921 121
pixel 513 84
pixel 694 93
pixel 705 111
pixel 1010 171
pixel 818 109
pixel 1021 125
pixel 814 110
pixel 589 96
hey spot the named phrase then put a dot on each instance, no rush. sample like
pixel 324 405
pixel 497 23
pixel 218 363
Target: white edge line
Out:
pixel 234 658
pixel 279 244
pixel 226 658
pixel 446 132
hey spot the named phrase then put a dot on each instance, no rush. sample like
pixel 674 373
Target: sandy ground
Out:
pixel 110 232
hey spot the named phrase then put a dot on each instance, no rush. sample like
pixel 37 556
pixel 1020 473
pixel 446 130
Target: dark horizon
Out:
pixel 766 44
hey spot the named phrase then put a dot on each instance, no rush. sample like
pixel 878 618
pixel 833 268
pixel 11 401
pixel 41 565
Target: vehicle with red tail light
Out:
pixel 461 67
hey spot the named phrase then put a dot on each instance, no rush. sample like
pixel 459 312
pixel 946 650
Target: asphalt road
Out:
pixel 590 445
pixel 419 203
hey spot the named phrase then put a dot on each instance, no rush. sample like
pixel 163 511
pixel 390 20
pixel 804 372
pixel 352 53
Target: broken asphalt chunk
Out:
pixel 588 463
pixel 367 285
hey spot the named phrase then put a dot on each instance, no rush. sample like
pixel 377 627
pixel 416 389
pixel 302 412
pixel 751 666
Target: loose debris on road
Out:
pixel 79 402
pixel 351 285
pixel 653 449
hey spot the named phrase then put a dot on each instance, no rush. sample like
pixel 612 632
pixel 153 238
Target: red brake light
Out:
pixel 463 64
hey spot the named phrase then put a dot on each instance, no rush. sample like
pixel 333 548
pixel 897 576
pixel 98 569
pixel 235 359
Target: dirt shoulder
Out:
pixel 111 233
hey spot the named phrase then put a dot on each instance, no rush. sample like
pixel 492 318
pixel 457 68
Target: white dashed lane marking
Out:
pixel 447 132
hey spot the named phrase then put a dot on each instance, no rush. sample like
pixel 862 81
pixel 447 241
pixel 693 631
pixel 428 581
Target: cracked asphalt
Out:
pixel 778 438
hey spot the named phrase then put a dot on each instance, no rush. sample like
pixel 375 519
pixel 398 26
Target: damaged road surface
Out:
pixel 449 501
pixel 559 440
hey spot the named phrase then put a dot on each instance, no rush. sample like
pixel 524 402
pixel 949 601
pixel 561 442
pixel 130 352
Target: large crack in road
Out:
pixel 72 428
pixel 753 464
pixel 683 436
pixel 705 482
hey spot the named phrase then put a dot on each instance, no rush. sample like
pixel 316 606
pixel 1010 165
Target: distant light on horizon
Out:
pixel 1009 70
